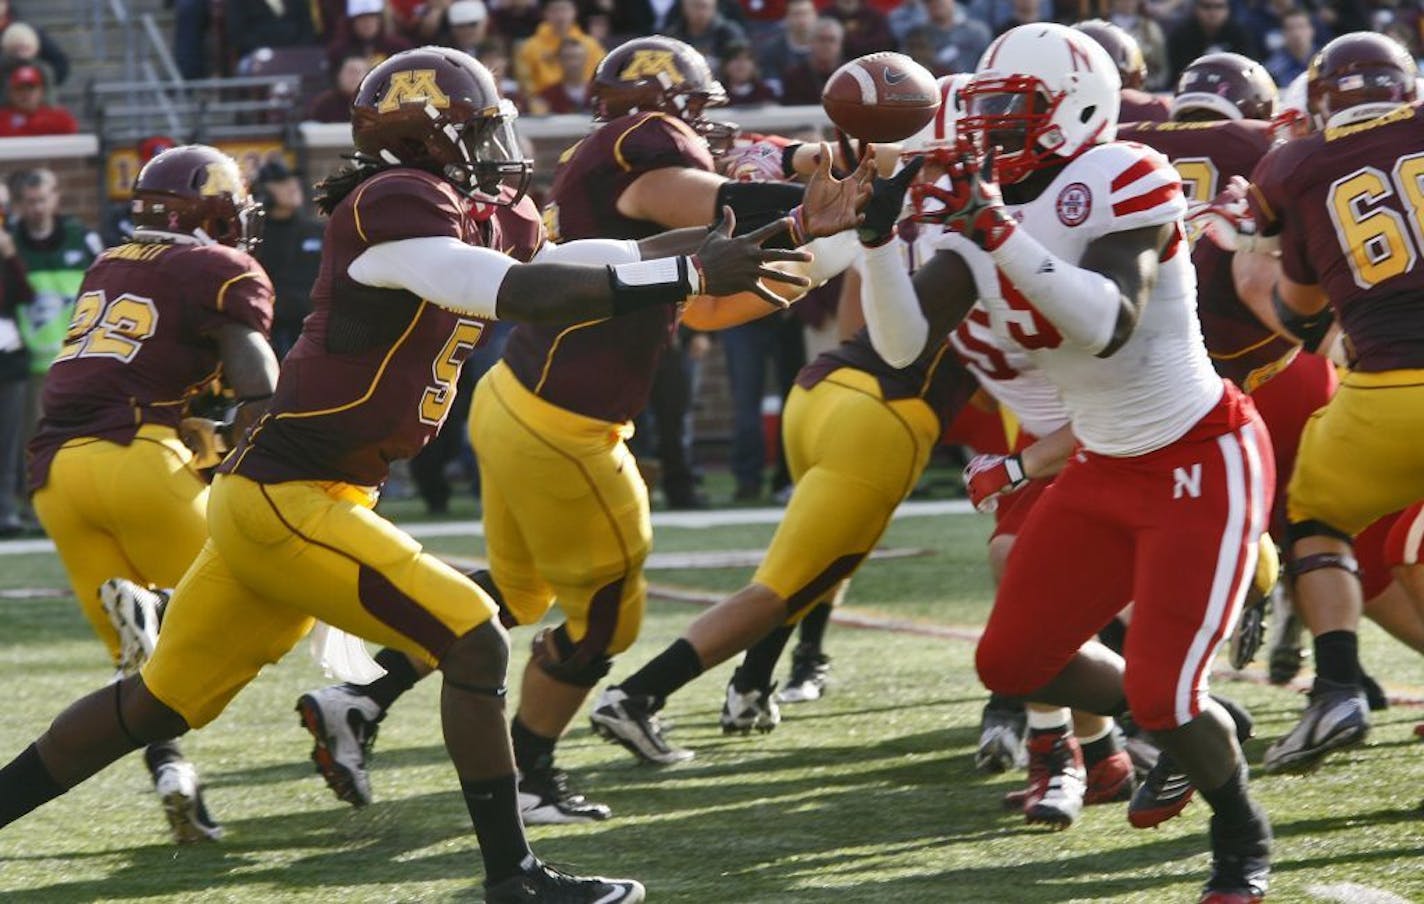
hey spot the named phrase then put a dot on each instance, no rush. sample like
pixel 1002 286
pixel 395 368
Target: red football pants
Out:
pixel 1286 402
pixel 1175 531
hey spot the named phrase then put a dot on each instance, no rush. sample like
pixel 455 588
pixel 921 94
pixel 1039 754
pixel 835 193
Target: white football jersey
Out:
pixel 1160 383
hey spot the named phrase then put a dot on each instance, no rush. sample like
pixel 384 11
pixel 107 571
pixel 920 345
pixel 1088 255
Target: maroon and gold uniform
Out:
pixel 111 479
pixel 858 434
pixel 565 511
pixel 1143 106
pixel 293 537
pixel 1347 207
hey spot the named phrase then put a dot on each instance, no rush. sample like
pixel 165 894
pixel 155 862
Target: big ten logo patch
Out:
pixel 412 86
pixel 651 64
pixel 1074 204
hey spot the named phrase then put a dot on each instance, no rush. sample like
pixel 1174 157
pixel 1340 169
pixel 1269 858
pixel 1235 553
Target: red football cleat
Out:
pixel 1109 780
pixel 1231 897
pixel 1164 793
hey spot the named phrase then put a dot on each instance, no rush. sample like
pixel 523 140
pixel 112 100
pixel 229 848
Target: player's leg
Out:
pixel 1358 461
pixel 859 457
pixel 1196 556
pixel 1054 596
pixel 320 551
pixel 810 664
pixel 217 638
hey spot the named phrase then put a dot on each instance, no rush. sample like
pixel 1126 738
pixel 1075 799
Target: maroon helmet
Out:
pixel 439 110
pixel 658 73
pixel 196 188
pixel 1121 46
pixel 1224 86
pixel 1364 73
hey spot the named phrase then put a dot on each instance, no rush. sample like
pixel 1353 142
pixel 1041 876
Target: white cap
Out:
pixel 364 7
pixel 467 12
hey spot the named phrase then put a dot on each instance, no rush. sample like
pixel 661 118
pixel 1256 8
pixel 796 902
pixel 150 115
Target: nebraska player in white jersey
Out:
pixel 1167 500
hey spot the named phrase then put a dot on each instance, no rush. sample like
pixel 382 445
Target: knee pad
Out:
pixel 1307 564
pixel 580 664
pixel 478 661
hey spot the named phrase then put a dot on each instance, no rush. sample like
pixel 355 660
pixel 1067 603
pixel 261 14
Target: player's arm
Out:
pixel 492 285
pixel 250 369
pixel 1262 286
pixel 1110 287
pixel 987 477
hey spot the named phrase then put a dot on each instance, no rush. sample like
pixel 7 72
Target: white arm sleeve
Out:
pixel 1082 304
pixel 444 271
pixel 831 255
pixel 598 252
pixel 898 328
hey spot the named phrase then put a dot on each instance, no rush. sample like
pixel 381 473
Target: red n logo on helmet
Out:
pixel 1076 55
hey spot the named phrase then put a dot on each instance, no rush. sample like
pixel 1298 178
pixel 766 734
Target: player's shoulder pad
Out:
pixel 653 140
pixel 1281 162
pixel 1141 186
pixel 405 203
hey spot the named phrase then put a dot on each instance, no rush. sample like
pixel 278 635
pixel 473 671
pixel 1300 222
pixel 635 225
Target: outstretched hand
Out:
pixel 887 200
pixel 730 265
pixel 830 204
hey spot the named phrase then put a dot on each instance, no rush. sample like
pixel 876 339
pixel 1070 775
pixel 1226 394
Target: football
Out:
pixel 881 97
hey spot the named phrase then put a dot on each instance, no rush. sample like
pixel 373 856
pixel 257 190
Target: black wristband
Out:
pixel 1309 329
pixel 788 160
pixel 649 283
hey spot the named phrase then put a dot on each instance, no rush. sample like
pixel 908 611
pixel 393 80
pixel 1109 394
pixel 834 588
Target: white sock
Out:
pixel 1052 720
pixel 1097 735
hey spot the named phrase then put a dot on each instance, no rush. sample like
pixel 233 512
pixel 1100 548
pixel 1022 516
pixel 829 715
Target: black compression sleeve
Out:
pixel 1309 329
pixel 759 203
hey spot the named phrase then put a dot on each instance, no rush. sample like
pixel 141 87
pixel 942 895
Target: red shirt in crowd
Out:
pixel 43 121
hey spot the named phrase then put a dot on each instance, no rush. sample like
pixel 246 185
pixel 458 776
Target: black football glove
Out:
pixel 887 203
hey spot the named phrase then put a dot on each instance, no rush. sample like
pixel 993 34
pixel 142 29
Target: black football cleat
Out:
pixel 539 882
pixel 1240 861
pixel 545 798
pixel 1164 793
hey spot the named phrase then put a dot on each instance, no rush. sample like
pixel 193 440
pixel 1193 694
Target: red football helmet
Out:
pixel 439 110
pixel 1121 46
pixel 1359 76
pixel 658 73
pixel 197 189
pixel 1224 86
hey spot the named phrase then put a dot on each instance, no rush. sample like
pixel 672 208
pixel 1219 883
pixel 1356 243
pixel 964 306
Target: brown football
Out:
pixel 881 97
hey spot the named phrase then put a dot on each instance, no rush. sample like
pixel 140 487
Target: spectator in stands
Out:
pixel 866 28
pixel 919 46
pixel 1293 56
pixel 469 25
pixel 14 378
pixel 1129 15
pixel 515 20
pixel 802 83
pixel 958 40
pixel 49 50
pixel 494 53
pixel 905 17
pixel 26 113
pixel 707 30
pixel 366 33
pixel 777 338
pixel 1021 12
pixel 571 94
pixel 334 104
pixel 20 46
pixel 537 64
pixel 791 44
pixel 56 250
pixel 290 250
pixel 1210 28
pixel 270 23
pixel 745 87
pixel 761 19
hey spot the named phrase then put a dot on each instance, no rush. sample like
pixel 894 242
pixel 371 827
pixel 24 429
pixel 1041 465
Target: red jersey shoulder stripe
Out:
pixel 1143 167
pixel 1159 195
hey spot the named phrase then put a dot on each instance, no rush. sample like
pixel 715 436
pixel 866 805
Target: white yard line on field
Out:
pixel 1354 893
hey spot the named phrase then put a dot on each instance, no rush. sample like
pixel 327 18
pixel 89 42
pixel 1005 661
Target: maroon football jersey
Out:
pixel 1207 154
pixel 1141 106
pixel 604 368
pixel 938 376
pixel 373 375
pixel 143 340
pixel 1348 204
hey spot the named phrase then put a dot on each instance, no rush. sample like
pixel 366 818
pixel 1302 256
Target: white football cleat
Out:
pixel 136 613
pixel 754 709
pixel 177 785
pixel 633 723
pixel 343 726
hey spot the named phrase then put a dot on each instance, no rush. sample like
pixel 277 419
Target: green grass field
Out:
pixel 868 795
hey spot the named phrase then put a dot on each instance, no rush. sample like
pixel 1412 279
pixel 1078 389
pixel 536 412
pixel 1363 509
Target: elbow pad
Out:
pixel 759 203
pixel 1310 329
